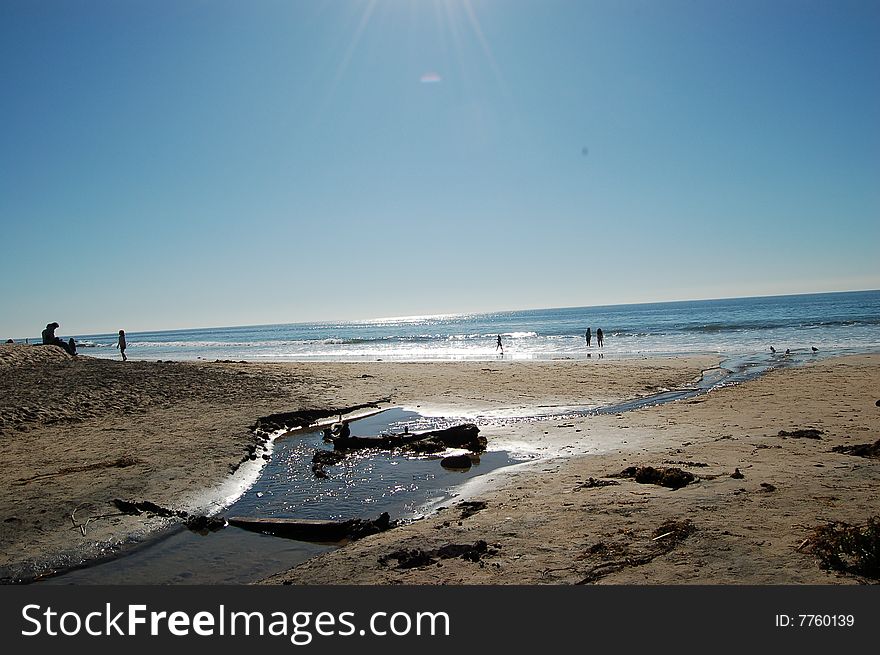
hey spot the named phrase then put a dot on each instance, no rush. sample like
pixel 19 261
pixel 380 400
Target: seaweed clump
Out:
pixel 674 478
pixel 411 558
pixel 861 450
pixel 849 548
pixel 674 531
pixel 806 433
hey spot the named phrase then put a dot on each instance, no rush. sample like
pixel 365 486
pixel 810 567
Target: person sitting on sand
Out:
pixel 599 337
pixel 121 345
pixel 49 334
pixel 49 339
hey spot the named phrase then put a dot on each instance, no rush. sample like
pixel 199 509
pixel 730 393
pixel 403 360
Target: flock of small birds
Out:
pixel 788 350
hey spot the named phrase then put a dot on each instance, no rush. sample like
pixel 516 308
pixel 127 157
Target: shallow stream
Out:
pixel 363 486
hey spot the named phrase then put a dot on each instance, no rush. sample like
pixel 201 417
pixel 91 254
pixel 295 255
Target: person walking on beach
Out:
pixel 121 345
pixel 588 335
pixel 499 345
pixel 599 337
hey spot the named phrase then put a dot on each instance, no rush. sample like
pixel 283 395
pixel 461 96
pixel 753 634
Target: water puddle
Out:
pixel 364 485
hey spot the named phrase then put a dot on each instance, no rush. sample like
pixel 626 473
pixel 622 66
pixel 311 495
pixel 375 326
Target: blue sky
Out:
pixel 187 164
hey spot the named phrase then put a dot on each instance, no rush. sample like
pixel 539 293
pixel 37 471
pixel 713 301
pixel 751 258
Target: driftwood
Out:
pixel 466 436
pixel 314 530
pixel 306 417
pixel 457 436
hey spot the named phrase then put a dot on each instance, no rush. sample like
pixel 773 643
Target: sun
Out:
pixel 458 20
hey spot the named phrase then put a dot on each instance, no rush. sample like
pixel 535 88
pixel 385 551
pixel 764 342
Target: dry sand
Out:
pixel 77 433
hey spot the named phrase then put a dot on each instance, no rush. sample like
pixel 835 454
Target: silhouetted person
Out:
pixel 600 337
pixel 49 339
pixel 787 351
pixel 814 349
pixel 499 345
pixel 772 350
pixel 588 335
pixel 122 345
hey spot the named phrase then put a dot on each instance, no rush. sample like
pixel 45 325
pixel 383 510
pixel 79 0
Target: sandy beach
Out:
pixel 79 433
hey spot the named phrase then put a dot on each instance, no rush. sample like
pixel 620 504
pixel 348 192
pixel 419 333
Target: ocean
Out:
pixel 835 323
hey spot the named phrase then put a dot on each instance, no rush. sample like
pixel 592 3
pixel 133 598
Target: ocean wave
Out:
pixel 345 341
pixel 479 336
pixel 710 328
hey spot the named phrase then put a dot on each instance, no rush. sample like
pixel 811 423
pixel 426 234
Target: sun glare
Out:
pixel 457 21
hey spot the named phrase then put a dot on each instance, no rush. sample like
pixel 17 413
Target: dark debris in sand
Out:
pixel 849 548
pixel 410 558
pixel 120 462
pixel 871 450
pixel 593 483
pixel 673 478
pixel 470 507
pixel 804 433
pixel 146 507
pixel 619 556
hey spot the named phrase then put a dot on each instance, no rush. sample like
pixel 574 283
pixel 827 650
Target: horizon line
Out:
pixel 472 313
